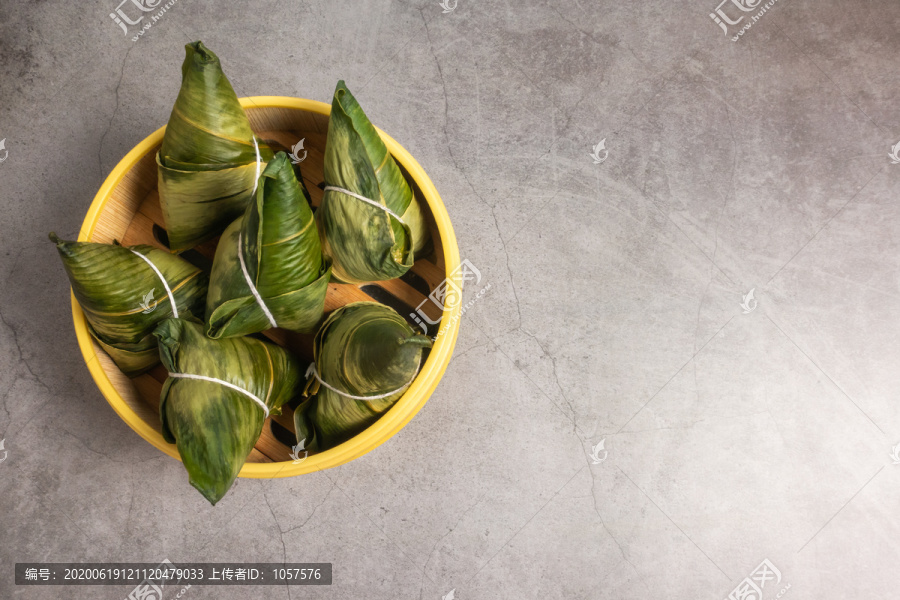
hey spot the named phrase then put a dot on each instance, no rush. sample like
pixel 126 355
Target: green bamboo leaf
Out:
pixel 363 349
pixel 208 162
pixel 213 425
pixel 132 359
pixel 123 298
pixel 365 242
pixel 279 243
pixel 304 425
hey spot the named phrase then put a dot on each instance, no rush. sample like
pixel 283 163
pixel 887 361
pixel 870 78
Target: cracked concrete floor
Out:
pixel 615 312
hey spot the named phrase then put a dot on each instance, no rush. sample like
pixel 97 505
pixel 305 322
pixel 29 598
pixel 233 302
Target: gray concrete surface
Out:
pixel 614 313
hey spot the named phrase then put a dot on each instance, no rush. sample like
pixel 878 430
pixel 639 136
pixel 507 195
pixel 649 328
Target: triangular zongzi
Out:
pixel 126 292
pixel 366 355
pixel 210 159
pixel 370 221
pixel 269 270
pixel 217 397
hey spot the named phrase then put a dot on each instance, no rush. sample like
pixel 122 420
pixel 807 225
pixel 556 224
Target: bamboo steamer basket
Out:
pixel 126 208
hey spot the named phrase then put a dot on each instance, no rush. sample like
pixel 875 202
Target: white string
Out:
pixel 161 278
pixel 253 289
pixel 364 199
pixel 313 371
pixel 258 163
pixel 225 383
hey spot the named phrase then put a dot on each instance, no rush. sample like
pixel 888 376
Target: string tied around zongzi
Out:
pixel 331 188
pixel 250 284
pixel 258 167
pixel 162 279
pixel 314 372
pixel 236 388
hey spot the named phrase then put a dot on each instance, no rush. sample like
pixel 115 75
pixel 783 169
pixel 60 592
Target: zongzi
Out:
pixel 370 221
pixel 269 270
pixel 366 355
pixel 126 292
pixel 210 159
pixel 217 397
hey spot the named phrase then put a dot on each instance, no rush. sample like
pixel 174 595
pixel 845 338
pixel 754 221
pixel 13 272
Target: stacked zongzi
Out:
pixel 272 266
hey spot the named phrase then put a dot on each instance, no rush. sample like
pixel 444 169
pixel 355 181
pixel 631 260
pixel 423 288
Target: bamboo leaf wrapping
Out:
pixel 123 299
pixel 364 241
pixel 215 427
pixel 207 162
pixel 283 257
pixel 304 427
pixel 362 349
